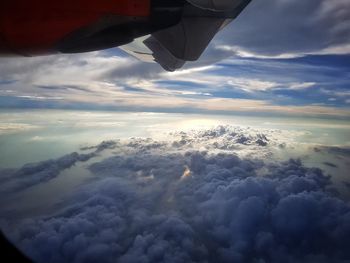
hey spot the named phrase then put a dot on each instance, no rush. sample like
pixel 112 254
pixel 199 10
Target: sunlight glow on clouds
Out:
pixel 181 91
pixel 207 195
pixel 274 189
pixel 6 127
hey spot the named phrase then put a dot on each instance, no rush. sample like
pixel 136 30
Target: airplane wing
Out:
pixel 188 39
pixel 169 32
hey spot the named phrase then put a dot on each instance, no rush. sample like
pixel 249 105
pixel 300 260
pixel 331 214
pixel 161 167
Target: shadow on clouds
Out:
pixel 171 202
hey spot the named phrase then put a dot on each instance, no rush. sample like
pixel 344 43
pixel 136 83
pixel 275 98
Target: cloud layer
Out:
pixel 15 180
pixel 189 199
pixel 278 57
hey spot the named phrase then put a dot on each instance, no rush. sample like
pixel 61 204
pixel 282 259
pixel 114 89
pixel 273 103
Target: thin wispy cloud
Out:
pixel 277 56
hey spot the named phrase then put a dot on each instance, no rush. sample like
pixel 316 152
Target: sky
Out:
pixel 278 57
pixel 242 156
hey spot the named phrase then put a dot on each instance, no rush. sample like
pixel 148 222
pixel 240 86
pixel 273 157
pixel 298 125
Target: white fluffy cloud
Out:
pixel 192 198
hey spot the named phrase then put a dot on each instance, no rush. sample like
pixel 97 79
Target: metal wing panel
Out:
pixel 185 41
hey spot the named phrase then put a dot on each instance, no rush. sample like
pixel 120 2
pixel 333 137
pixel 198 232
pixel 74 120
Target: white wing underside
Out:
pixel 139 50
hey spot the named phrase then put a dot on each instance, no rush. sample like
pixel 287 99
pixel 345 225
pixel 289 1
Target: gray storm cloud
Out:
pixel 167 201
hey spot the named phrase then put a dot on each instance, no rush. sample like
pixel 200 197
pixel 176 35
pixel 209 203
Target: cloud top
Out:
pixel 141 207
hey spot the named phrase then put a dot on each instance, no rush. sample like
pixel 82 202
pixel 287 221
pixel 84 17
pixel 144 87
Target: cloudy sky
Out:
pixel 278 57
pixel 242 156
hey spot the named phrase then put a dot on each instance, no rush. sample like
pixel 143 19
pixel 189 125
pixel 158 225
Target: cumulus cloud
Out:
pixel 34 173
pixel 15 180
pixel 228 208
pixel 224 137
pixel 336 150
pixel 101 147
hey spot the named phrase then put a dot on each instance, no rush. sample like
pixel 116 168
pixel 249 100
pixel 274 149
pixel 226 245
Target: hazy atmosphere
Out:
pixel 241 156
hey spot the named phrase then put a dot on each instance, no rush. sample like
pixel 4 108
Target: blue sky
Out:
pixel 278 57
pixel 218 185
